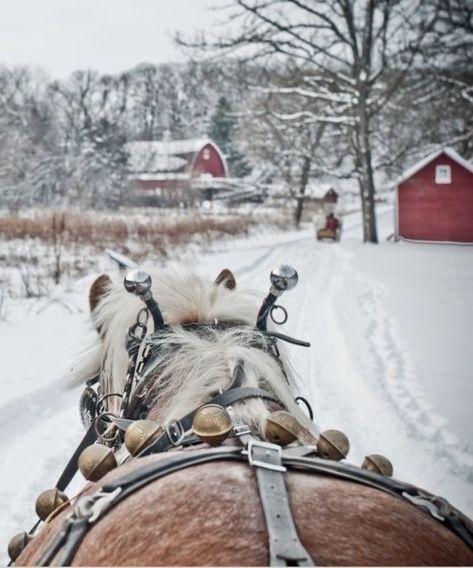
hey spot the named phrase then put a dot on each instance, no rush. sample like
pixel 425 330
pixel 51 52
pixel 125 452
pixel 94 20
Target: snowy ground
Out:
pixel 390 362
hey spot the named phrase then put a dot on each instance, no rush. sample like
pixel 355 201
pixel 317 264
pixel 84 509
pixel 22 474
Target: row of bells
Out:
pixel 212 424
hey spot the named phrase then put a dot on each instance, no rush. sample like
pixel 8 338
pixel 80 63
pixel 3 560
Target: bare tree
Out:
pixel 449 58
pixel 351 55
pixel 91 114
pixel 298 146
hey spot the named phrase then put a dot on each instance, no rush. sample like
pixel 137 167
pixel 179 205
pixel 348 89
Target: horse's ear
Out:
pixel 99 289
pixel 227 279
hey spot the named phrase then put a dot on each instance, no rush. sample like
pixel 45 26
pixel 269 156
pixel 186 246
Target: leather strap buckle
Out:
pixel 270 456
pixel 175 432
pixel 241 430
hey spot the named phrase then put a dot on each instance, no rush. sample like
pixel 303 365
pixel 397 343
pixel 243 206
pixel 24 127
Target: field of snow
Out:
pixel 390 362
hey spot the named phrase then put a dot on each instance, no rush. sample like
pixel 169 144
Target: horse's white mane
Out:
pixel 193 366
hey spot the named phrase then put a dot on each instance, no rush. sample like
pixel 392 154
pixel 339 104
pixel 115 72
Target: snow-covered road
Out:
pixel 367 373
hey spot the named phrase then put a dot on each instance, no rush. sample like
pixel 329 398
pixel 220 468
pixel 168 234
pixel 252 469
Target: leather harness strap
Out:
pixel 72 465
pixel 176 429
pixel 66 542
pixel 285 548
pixel 61 552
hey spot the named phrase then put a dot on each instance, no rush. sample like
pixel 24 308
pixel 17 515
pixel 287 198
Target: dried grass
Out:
pixel 45 248
pixel 103 231
pixel 81 228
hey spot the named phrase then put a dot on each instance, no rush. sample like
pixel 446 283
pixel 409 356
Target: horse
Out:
pixel 205 457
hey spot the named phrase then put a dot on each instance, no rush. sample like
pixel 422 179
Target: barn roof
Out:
pixel 164 156
pixel 450 152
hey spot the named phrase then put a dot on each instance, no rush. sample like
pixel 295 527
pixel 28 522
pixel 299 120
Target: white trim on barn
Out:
pixel 219 153
pixel 450 152
pixel 434 242
pixel 163 156
pixel 396 213
pixel 160 176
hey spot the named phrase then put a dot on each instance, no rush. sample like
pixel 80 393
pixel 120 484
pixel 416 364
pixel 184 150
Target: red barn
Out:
pixel 168 168
pixel 434 200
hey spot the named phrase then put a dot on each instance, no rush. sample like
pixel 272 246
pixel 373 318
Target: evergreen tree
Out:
pixel 222 129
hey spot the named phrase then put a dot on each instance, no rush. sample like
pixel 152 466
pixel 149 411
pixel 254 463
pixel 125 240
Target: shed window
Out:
pixel 206 153
pixel 443 174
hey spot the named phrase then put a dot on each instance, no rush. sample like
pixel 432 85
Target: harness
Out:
pixel 270 461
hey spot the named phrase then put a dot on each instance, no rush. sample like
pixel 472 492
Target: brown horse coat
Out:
pixel 211 515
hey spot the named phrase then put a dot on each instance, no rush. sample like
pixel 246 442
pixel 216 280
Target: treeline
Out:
pixel 294 117
pixel 62 143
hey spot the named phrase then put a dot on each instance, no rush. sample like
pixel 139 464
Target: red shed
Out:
pixel 169 167
pixel 434 200
pixel 331 196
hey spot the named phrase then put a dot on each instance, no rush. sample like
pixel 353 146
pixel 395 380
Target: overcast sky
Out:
pixel 108 35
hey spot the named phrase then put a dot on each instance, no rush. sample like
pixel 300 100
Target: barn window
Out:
pixel 206 153
pixel 443 174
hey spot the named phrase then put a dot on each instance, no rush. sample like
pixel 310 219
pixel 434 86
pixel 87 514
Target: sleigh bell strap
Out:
pixel 285 547
pixel 176 429
pixel 61 550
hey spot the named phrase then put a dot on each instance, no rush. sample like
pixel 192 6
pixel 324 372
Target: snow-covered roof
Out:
pixel 318 190
pixel 161 176
pixel 450 152
pixel 162 156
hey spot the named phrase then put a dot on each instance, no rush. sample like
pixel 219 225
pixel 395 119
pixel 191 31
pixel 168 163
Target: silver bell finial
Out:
pixel 138 282
pixel 283 278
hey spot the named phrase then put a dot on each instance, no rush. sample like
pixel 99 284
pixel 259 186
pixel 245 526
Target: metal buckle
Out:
pixel 241 430
pixel 430 504
pixel 269 448
pixel 175 431
pixel 92 506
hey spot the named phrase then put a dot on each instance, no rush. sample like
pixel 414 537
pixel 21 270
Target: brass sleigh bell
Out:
pixel 378 464
pixel 48 501
pixel 140 434
pixel 212 424
pixel 17 544
pixel 333 445
pixel 95 461
pixel 281 428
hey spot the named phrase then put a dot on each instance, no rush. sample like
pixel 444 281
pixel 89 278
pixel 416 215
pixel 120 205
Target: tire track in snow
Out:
pixel 25 411
pixel 362 380
pixel 329 362
pixel 396 375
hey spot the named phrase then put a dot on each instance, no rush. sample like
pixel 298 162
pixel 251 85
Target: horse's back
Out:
pixel 210 514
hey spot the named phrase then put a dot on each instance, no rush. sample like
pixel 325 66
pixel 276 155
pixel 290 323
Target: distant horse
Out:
pixel 262 494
